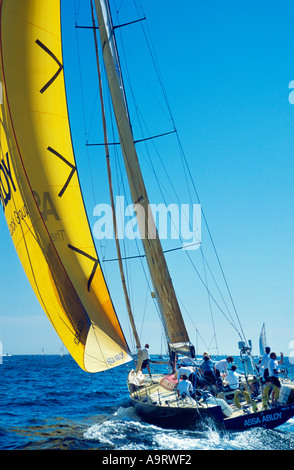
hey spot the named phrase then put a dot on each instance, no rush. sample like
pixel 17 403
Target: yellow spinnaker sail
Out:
pixel 40 191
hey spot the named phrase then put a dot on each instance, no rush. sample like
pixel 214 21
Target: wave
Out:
pixel 124 430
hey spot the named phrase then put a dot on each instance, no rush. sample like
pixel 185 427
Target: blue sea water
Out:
pixel 49 403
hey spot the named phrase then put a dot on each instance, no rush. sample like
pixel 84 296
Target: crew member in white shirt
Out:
pixel 185 387
pixel 145 358
pixel 232 379
pixel 221 367
pixel 263 366
pixel 184 371
pixel 274 370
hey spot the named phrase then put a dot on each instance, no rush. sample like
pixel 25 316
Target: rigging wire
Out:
pixel 209 303
pixel 154 254
pixel 109 369
pixel 136 107
pixel 203 282
pixel 185 163
pixel 186 170
pixel 120 176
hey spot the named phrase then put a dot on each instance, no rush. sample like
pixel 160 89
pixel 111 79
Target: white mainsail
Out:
pixel 176 333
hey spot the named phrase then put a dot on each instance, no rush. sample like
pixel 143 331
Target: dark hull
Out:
pixel 268 419
pixel 174 417
pixel 184 418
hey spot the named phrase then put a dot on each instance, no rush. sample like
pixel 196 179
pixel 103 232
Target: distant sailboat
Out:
pixel 262 341
pixel 48 223
pixel 62 351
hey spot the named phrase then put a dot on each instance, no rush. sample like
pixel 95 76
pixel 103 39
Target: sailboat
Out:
pixel 45 213
pixel 262 341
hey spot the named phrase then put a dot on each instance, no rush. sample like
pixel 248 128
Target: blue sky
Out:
pixel 226 66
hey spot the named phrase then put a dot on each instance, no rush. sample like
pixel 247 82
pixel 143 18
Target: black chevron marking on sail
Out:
pixel 73 169
pixel 96 262
pixel 45 48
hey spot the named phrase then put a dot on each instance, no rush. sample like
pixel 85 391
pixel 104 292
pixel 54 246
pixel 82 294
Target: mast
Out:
pixel 106 146
pixel 175 330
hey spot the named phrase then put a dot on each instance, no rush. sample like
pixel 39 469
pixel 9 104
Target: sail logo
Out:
pixel 262 419
pixel 6 181
pixel 170 222
pixel 46 205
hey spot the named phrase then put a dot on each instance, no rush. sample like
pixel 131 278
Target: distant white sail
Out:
pixel 262 341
